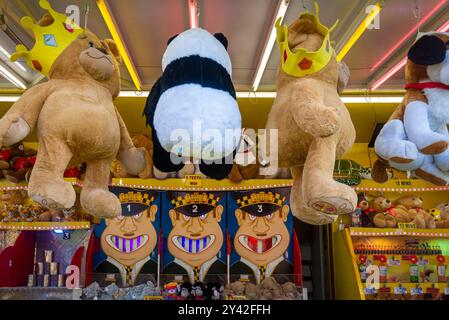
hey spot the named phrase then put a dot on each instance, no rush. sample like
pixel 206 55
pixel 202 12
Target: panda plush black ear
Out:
pixel 171 39
pixel 428 50
pixel 221 37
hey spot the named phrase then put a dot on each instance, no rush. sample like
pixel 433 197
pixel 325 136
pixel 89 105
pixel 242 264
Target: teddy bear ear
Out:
pixel 223 40
pixel 114 49
pixel 428 50
pixel 171 39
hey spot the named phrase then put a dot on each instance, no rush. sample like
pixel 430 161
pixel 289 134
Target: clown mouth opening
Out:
pixel 193 245
pixel 126 245
pixel 259 245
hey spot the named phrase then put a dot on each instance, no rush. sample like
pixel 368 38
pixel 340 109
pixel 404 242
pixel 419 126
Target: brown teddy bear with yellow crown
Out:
pixel 313 126
pixel 74 113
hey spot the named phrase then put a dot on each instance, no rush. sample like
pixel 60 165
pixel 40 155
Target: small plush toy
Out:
pixel 198 289
pixel 416 138
pixel 313 125
pixel 170 291
pixel 17 162
pixel 443 221
pixel 185 291
pixel 362 211
pixel 414 206
pixel 246 163
pixel 192 109
pixel 383 218
pixel 74 113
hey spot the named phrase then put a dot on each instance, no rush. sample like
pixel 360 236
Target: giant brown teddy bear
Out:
pixel 77 122
pixel 314 129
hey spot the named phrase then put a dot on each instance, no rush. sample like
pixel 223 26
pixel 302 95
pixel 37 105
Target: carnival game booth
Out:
pixel 320 141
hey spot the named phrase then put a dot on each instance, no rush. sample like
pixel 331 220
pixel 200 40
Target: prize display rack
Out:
pixel 392 264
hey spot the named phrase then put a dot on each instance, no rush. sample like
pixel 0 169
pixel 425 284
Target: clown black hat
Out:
pixel 193 204
pixel 259 203
pixel 134 201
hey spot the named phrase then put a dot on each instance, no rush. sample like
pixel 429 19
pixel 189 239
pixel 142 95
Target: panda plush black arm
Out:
pixel 161 157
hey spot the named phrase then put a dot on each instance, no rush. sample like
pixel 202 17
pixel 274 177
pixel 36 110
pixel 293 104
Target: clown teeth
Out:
pixel 126 245
pixel 259 245
pixel 193 245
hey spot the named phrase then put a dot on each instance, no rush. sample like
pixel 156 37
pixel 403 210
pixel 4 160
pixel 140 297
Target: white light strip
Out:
pixel 12 78
pixel 134 94
pixel 6 53
pixel 9 98
pixel 272 95
pixel 282 9
pixel 372 99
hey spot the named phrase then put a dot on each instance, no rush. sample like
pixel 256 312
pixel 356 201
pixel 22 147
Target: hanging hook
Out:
pixel 86 13
pixel 417 13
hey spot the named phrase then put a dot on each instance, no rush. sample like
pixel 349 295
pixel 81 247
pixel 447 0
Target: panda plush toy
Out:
pixel 192 109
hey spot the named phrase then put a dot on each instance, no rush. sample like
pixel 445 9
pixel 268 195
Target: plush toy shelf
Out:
pixel 197 183
pixel 408 286
pixel 44 226
pixel 399 185
pixel 6 185
pixel 379 232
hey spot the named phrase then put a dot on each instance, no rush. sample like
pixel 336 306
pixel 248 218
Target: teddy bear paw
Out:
pixel 134 160
pixel 100 203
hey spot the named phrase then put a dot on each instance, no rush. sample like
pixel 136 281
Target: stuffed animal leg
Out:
pixel 418 130
pixel 299 207
pixel 95 196
pixel 47 185
pixel 392 144
pixel 321 191
pixel 430 171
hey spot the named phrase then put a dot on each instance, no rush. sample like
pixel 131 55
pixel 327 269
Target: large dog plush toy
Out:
pixel 74 114
pixel 416 137
pixel 192 109
pixel 314 126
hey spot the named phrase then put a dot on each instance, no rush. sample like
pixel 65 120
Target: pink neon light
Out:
pixel 408 34
pixel 193 13
pixel 389 74
pixel 401 64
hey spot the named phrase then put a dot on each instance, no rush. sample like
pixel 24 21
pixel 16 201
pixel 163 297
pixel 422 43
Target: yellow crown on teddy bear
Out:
pixel 51 40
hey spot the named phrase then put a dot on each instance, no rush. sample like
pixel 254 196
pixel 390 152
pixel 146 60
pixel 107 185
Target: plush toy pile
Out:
pixel 268 289
pixel 15 206
pixel 381 212
pixel 416 137
pixel 192 109
pixel 74 114
pixel 314 126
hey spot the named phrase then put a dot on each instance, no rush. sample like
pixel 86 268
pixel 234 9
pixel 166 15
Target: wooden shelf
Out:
pixel 45 226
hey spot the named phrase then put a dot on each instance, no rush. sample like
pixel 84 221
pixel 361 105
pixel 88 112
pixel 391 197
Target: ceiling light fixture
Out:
pixel 408 34
pixel 360 30
pixel 112 26
pixel 12 78
pixel 390 73
pixel 193 14
pixel 280 13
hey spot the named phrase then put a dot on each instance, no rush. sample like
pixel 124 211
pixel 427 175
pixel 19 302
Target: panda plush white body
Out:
pixel 192 109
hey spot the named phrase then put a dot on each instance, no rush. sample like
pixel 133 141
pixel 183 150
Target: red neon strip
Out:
pixel 401 64
pixel 408 34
